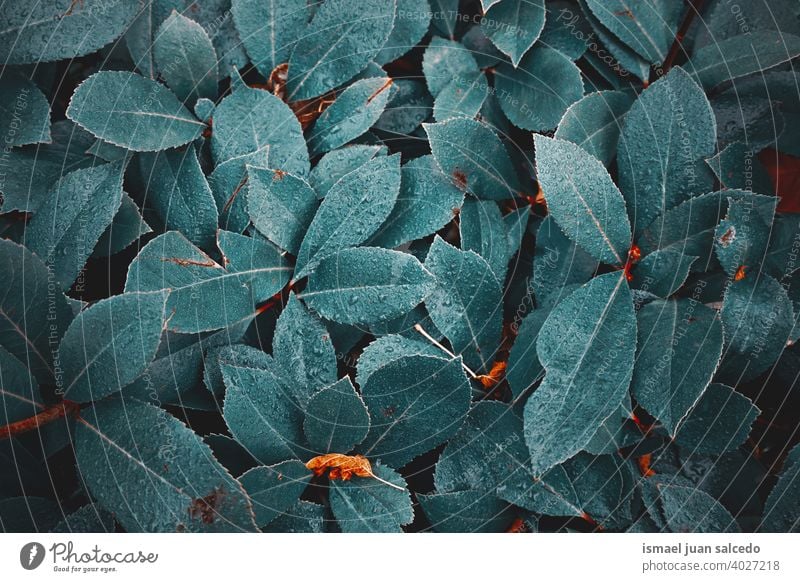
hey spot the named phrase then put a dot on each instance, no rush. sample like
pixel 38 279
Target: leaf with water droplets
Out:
pixel 336 419
pixel 365 505
pixel 275 489
pixel 514 25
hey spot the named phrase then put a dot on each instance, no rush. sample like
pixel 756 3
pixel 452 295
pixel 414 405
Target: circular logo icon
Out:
pixel 31 555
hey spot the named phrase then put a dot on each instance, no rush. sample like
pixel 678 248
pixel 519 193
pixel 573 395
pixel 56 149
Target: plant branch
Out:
pixel 49 414
pixel 677 45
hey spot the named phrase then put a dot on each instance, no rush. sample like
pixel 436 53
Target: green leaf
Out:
pixel 351 212
pixel 389 348
pixel 165 478
pixel 110 344
pixel 31 316
pixel 558 262
pixel 524 368
pixel 411 21
pixel 281 206
pixel 367 285
pixel 353 112
pixel 365 505
pixel 758 318
pixel 127 227
pixel 303 351
pixel 409 105
pixel 227 183
pixel 582 199
pixel 742 236
pixel 466 304
pixel 255 259
pixel 337 45
pixel 648 28
pixel 42 32
pixel 261 414
pixel 302 517
pixel 130 111
pixel 742 55
pixel 537 94
pixel 560 417
pixel 514 25
pixel 678 508
pixel 415 403
pixel 426 202
pixel 461 97
pixel 782 509
pixel 737 167
pixel 240 355
pixel 185 58
pixel 445 61
pixel 200 287
pixel 334 165
pixel 666 135
pixel 336 419
pixel 179 193
pixel 594 123
pixel 19 392
pixel 482 231
pixel 471 154
pixel 466 511
pixel 250 119
pixel 719 422
pixel 64 233
pixel 662 272
pixel 275 489
pixel 269 30
pixel 447 16
pixel 678 351
pixel 24 112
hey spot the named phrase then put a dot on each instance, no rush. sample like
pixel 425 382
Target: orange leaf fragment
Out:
pixel 644 465
pixel 344 467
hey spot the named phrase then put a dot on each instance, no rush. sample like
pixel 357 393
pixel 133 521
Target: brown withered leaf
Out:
pixel 344 467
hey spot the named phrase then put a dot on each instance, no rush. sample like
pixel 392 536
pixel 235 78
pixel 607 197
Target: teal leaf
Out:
pixel 303 351
pixel 65 232
pixel 176 188
pixel 782 509
pixel 281 206
pixel 583 199
pixel 302 517
pixel 594 123
pixel 28 514
pixel 471 154
pixel 31 317
pixel 516 225
pixel 24 112
pixel 558 262
pixel 353 112
pixel 536 95
pixel 275 489
pixel 415 403
pixel 667 134
pixel 523 368
pixel 367 285
pixel 127 227
pixel 19 392
pixel 269 30
pixel 365 505
pixel 334 165
pixel 426 202
pixel 681 508
pixel 742 236
pixel 166 478
pixel 737 167
pixel 466 303
pixel 133 112
pixel 203 294
pixel 42 32
pixel 409 105
pixel 250 119
pixel 227 183
pixel 261 414
pixel 461 97
pixel 445 61
pixel 254 259
pixel 240 355
pixel 447 16
pixel 466 511
pixel 351 212
pixel 387 349
pixel 411 21
pixel 185 58
pixel 719 422
pixel 662 272
pixel 563 31
pixel 560 418
pixel 678 351
pixel 648 28
pixel 482 231
pixel 336 419
pixel 338 44
pixel 514 25
pixel 742 55
pixel 758 318
pixel 109 344
pixel 87 519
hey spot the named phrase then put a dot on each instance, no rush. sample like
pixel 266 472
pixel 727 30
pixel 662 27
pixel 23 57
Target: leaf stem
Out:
pixel 431 339
pixel 49 414
pixel 677 45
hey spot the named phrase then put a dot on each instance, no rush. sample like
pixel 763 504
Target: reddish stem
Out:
pixel 49 414
pixel 694 9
